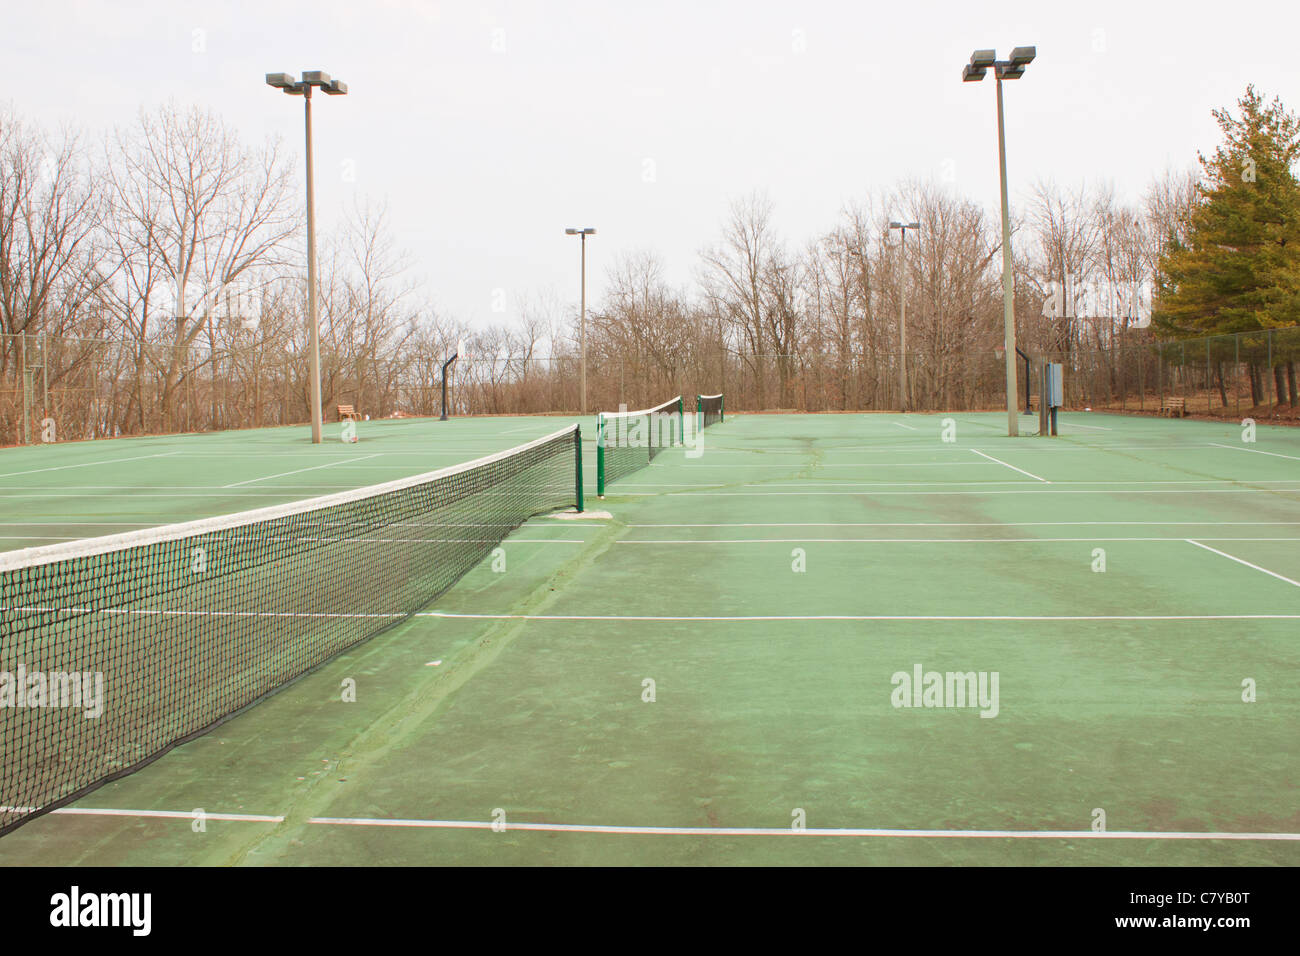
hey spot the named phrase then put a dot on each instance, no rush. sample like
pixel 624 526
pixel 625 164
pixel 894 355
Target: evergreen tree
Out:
pixel 1240 267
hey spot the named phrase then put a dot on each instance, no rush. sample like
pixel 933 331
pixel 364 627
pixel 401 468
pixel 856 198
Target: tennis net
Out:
pixel 708 410
pixel 115 649
pixel 626 441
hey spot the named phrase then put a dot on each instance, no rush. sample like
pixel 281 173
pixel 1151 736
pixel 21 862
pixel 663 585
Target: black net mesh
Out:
pixel 626 441
pixel 709 408
pixel 186 624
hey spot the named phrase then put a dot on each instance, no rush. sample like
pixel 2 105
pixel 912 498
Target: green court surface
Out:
pixel 53 493
pixel 772 586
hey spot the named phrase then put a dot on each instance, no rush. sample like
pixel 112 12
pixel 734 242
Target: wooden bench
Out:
pixel 1174 407
pixel 347 411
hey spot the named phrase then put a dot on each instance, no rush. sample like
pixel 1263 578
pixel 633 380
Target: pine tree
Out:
pixel 1240 268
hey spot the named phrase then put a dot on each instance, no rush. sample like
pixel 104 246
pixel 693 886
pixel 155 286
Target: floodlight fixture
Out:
pixel 1023 55
pixel 1012 69
pixel 332 87
pixel 582 233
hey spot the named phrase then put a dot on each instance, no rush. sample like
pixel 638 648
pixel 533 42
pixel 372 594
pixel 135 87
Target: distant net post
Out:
pixel 708 410
pixel 600 455
pixel 577 468
pixel 628 441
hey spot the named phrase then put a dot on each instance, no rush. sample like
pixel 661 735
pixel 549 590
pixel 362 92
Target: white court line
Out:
pixel 908 427
pixel 154 814
pixel 949 447
pixel 627 830
pixel 1012 467
pixel 343 487
pixel 918 484
pixel 1240 561
pixel 88 464
pixel 1045 491
pixel 1097 428
pixel 1255 451
pixel 655 618
pixel 743 619
pixel 700 463
pixel 959 524
pixel 857 832
pixel 107 494
pixel 55 524
pixel 299 471
pixel 915 540
pixel 156 612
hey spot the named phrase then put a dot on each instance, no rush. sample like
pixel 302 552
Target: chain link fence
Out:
pixel 71 389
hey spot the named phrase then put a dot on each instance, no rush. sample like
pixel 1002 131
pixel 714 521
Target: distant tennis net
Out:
pixel 708 410
pixel 113 650
pixel 626 441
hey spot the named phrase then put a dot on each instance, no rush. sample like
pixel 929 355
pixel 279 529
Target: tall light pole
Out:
pixel 285 82
pixel 1012 69
pixel 582 330
pixel 902 315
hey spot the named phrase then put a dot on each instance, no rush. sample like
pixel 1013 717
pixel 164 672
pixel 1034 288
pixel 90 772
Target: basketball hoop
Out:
pixel 1000 351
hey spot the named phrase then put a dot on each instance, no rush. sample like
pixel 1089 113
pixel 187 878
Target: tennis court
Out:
pixel 713 673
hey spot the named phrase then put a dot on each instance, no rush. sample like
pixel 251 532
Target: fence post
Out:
pixel 1270 365
pixel 1209 385
pixel 27 390
pixel 1236 370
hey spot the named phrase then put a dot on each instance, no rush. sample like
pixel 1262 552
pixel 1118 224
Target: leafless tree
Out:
pixel 192 213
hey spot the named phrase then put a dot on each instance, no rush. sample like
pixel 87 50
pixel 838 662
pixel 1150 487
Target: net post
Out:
pixel 577 462
pixel 722 408
pixel 1044 396
pixel 600 456
pixel 681 421
pixel 699 413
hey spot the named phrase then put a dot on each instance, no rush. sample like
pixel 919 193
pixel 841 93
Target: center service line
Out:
pixel 1230 557
pixel 1012 467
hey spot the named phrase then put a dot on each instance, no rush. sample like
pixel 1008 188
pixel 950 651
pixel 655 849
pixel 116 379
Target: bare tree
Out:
pixel 48 220
pixel 1066 230
pixel 734 279
pixel 192 213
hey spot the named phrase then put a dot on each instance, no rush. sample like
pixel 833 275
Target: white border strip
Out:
pixel 812 831
pixel 744 619
pixel 616 830
pixel 154 814
pixel 923 541
pixel 946 524
pixel 47 554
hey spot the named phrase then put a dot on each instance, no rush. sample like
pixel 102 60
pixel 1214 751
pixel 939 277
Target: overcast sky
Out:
pixel 490 127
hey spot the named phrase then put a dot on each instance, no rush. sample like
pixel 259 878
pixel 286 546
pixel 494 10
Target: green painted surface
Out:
pixel 754 719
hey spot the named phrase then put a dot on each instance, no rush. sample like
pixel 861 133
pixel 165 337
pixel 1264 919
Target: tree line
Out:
pixel 152 281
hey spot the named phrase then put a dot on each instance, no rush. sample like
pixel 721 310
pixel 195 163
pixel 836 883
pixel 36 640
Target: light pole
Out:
pixel 902 315
pixel 1012 69
pixel 582 330
pixel 285 82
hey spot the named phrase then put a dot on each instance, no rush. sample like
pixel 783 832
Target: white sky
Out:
pixel 485 155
